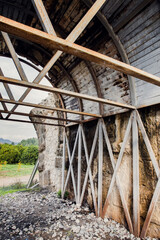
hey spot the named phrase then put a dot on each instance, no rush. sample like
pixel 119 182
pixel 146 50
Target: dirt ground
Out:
pixel 6 181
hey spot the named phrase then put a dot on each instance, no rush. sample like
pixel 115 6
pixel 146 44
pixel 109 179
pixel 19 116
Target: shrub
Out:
pixel 9 154
pixel 29 155
pixel 66 194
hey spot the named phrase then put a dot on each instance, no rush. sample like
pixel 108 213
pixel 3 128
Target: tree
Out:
pixel 30 155
pixel 9 153
pixel 29 142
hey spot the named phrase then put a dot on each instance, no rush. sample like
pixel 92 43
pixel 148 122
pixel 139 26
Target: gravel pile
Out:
pixel 43 216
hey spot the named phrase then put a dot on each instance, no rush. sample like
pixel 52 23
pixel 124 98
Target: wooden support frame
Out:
pixel 100 166
pixel 38 116
pixel 157 170
pixel 35 122
pixel 70 170
pixel 117 164
pixel 136 197
pixel 113 162
pixel 62 91
pixel 67 46
pixel 27 104
pixel 14 57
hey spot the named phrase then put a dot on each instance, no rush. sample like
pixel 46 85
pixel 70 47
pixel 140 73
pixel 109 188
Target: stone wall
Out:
pixel 50 147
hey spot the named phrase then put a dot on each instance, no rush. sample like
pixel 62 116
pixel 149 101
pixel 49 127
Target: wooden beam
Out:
pixel 14 57
pixel 62 91
pixel 49 108
pixel 120 156
pixel 113 162
pixel 51 42
pixel 36 122
pixel 7 88
pixel 43 16
pixel 136 195
pixel 38 116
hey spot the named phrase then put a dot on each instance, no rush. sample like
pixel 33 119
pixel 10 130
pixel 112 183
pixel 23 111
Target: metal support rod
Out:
pixel 135 157
pixel 100 172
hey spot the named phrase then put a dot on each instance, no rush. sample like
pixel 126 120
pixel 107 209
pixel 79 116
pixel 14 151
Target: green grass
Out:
pixel 11 170
pixel 13 188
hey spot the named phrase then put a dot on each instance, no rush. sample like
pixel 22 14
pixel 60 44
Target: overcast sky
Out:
pixel 15 131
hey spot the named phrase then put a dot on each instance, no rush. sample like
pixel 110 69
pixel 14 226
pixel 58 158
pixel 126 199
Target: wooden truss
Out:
pixel 49 40
pixel 80 186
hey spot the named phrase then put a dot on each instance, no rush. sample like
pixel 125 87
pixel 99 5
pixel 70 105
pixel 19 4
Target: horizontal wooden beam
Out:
pixel 62 91
pixel 52 42
pixel 49 108
pixel 25 121
pixel 38 116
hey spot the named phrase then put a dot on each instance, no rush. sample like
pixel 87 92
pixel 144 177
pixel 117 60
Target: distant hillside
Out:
pixel 29 142
pixel 7 141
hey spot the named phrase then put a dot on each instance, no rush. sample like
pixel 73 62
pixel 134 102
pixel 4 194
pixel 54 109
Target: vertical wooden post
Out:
pixel 100 173
pixel 79 164
pixel 135 152
pixel 63 162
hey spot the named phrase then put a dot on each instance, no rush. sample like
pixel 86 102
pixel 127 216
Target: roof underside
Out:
pixel 74 74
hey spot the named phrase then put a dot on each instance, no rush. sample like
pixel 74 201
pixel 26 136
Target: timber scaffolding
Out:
pixel 49 39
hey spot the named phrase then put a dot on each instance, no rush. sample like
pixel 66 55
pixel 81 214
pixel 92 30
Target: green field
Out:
pixel 13 170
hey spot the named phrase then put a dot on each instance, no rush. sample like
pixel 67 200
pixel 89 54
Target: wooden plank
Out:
pixel 49 108
pixel 151 209
pixel 136 197
pixel 14 57
pixel 113 162
pixel 79 164
pixel 38 116
pixel 36 122
pixel 62 91
pixel 63 162
pixel 3 105
pixel 33 174
pixel 117 166
pixel 71 158
pixel 100 166
pixel 72 172
pixel 7 88
pixel 90 175
pixel 148 145
pixel 71 37
pixel 52 42
pixel 89 168
pixel 43 16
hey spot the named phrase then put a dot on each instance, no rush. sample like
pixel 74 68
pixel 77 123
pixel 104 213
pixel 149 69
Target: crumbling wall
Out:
pixel 50 147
